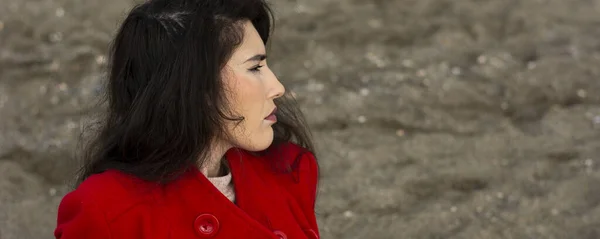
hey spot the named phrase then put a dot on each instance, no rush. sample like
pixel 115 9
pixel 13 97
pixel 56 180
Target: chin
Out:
pixel 259 143
pixel 256 147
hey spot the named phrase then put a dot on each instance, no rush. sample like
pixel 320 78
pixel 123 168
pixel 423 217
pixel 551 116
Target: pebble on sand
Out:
pixel 60 12
pixel 596 120
pixel 364 91
pixel 581 93
pixel 362 119
pixel 348 214
pixel 100 60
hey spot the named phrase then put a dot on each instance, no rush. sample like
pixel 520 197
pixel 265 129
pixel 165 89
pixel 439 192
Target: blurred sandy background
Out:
pixel 434 118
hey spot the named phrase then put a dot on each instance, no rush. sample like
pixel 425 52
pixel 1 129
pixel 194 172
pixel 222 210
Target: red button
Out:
pixel 311 234
pixel 206 225
pixel 280 234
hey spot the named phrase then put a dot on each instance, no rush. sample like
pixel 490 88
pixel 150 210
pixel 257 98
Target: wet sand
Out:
pixel 434 118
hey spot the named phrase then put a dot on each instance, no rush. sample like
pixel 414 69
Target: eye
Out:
pixel 256 68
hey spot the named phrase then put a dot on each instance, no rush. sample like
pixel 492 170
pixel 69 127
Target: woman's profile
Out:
pixel 199 138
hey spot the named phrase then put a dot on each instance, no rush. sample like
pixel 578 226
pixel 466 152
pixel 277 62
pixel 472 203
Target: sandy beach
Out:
pixel 453 119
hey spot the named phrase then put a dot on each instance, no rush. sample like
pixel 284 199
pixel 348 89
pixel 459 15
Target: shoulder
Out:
pixel 102 204
pixel 114 192
pixel 292 156
pixel 292 159
pixel 295 168
pixel 300 179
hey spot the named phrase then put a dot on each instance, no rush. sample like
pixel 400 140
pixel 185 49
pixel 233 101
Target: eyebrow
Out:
pixel 257 57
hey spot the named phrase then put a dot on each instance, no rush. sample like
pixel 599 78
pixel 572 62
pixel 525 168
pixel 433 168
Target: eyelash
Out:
pixel 256 68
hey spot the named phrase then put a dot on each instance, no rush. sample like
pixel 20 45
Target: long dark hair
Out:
pixel 166 100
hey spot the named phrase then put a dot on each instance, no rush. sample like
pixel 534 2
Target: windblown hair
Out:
pixel 166 99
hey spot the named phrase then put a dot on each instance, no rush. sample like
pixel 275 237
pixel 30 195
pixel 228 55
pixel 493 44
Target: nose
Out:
pixel 277 89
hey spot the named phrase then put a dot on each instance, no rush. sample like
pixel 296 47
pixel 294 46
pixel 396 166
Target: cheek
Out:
pixel 248 99
pixel 249 95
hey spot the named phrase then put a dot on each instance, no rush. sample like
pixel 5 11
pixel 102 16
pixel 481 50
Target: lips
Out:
pixel 272 116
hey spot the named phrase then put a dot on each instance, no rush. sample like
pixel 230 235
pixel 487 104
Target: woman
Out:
pixel 197 140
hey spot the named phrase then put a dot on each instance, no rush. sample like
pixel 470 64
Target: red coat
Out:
pixel 112 205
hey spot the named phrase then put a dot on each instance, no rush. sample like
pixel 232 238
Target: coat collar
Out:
pixel 254 194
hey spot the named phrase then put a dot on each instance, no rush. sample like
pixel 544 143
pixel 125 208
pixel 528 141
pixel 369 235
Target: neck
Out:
pixel 213 163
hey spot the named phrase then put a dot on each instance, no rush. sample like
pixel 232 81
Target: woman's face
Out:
pixel 251 88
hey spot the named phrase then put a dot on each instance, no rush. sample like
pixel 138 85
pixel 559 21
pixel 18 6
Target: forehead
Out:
pixel 251 45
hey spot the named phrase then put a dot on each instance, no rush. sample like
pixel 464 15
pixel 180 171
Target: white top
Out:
pixel 223 183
